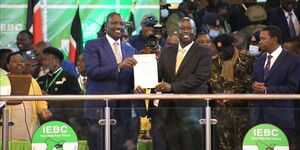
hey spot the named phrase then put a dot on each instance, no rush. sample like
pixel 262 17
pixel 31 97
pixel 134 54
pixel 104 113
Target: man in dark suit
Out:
pixel 275 72
pixel 286 17
pixel 109 69
pixel 183 69
pixel 59 82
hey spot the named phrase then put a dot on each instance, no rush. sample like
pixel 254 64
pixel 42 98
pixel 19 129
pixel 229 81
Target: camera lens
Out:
pixel 153 42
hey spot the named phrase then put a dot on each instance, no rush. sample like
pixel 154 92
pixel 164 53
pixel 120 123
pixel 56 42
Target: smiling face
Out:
pixel 186 31
pixel 24 42
pixel 114 26
pixel 16 64
pixel 50 62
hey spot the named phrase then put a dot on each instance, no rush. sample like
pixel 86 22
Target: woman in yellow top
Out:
pixel 25 115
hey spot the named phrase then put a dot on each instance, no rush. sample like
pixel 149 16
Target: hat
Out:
pixel 149 20
pixel 256 13
pixel 54 51
pixel 223 40
pixel 211 19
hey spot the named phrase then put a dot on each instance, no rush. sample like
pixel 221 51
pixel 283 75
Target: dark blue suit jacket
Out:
pixel 104 77
pixel 283 78
pixel 276 17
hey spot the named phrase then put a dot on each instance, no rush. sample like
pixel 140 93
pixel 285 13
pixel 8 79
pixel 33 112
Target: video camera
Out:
pixel 153 40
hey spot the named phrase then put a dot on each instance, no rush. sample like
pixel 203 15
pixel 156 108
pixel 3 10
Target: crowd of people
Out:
pixel 222 48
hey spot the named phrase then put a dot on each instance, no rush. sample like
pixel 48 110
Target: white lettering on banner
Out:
pixel 55 129
pixel 91 27
pixel 265 132
pixel 10 27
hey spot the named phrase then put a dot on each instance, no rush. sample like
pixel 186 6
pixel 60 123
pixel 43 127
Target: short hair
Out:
pixel 274 31
pixel 111 14
pixel 295 43
pixel 42 43
pixel 4 51
pixel 190 20
pixel 202 33
pixel 11 55
pixel 27 32
pixel 241 34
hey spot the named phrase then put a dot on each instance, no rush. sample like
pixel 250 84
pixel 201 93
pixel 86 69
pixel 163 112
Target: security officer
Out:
pixel 230 74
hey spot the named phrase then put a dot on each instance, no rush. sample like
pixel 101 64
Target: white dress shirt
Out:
pixel 275 55
pixel 295 20
pixel 187 48
pixel 111 43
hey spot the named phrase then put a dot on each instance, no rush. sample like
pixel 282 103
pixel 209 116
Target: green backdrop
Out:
pixel 57 17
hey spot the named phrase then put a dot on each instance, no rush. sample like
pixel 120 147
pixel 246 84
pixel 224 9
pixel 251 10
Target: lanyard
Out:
pixel 55 77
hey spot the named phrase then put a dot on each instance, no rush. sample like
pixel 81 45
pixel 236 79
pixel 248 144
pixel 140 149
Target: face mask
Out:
pixel 213 33
pixel 254 50
pixel 164 13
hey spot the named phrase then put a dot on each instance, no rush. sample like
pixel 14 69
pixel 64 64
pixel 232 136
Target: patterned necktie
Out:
pixel 117 52
pixel 291 25
pixel 179 58
pixel 267 67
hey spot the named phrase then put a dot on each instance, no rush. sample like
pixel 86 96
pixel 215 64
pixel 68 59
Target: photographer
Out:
pixel 149 36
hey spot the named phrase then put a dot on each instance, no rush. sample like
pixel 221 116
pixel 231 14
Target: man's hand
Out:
pixel 259 88
pixel 44 92
pixel 147 50
pixel 163 87
pixel 46 114
pixel 139 90
pixel 128 62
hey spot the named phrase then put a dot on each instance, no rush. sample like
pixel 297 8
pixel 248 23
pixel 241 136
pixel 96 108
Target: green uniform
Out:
pixel 232 115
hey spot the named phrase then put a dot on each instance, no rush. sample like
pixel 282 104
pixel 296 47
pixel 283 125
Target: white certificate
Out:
pixel 145 71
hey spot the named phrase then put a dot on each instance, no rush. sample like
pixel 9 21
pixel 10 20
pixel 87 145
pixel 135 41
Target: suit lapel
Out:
pixel 172 55
pixel 107 48
pixel 124 52
pixel 279 61
pixel 285 23
pixel 261 66
pixel 187 58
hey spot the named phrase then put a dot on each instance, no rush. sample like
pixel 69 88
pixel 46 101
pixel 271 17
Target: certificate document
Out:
pixel 145 71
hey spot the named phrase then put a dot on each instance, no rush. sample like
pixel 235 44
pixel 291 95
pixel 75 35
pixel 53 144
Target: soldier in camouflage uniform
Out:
pixel 231 73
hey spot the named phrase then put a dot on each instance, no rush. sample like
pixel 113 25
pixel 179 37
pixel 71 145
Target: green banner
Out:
pixel 265 137
pixel 57 18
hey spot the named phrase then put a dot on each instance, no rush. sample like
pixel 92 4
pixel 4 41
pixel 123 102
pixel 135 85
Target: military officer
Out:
pixel 230 73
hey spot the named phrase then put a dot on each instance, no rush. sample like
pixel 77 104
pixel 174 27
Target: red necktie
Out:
pixel 84 81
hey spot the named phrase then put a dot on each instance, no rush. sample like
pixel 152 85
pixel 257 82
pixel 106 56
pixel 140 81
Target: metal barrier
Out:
pixel 207 97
